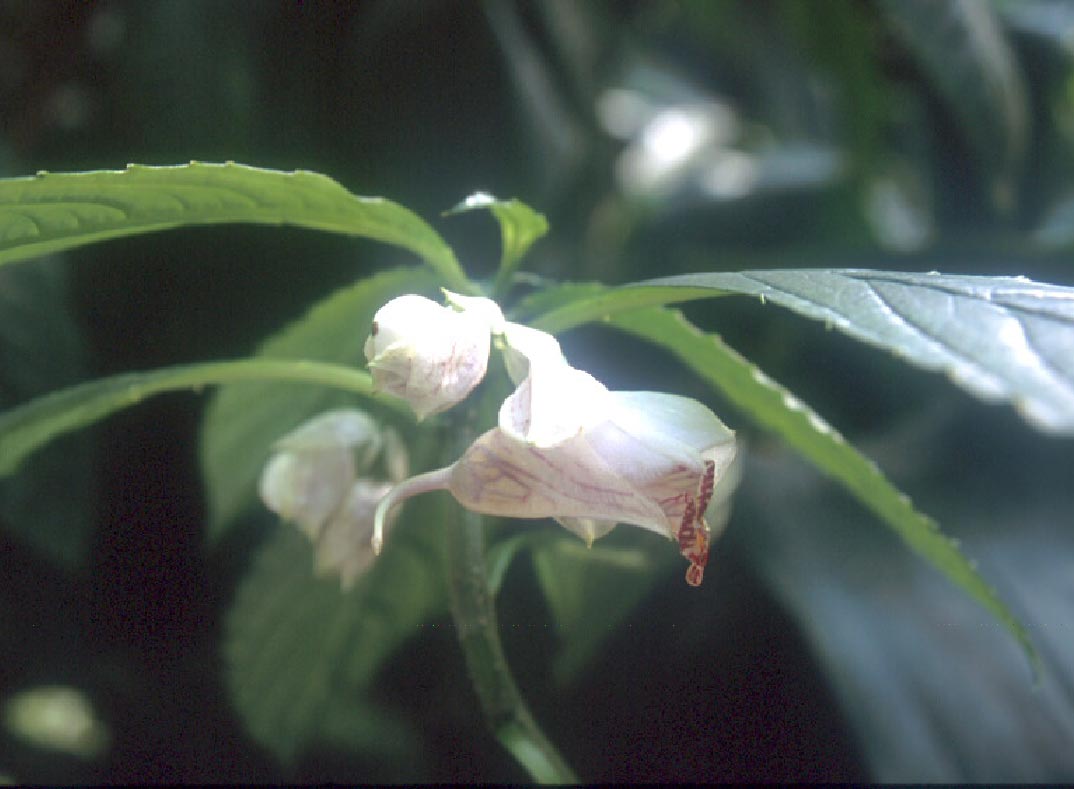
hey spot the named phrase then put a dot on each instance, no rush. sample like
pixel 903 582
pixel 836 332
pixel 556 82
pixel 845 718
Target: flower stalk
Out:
pixel 474 612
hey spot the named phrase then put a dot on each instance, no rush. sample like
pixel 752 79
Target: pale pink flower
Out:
pixel 566 447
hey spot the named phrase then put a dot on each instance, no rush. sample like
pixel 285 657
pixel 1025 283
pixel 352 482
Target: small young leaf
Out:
pixel 242 422
pixel 54 211
pixel 520 227
pixel 30 426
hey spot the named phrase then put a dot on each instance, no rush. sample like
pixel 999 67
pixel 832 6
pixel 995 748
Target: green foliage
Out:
pixel 31 426
pixel 50 212
pixel 48 505
pixel 960 48
pixel 591 590
pixel 242 422
pixel 776 409
pixel 1000 338
pixel 300 653
pixel 520 228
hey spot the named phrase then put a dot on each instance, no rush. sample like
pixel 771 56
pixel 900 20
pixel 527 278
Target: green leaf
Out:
pixel 1000 338
pixel 773 407
pixel 520 227
pixel 590 591
pixel 242 422
pixel 49 212
pixel 297 648
pixel 48 506
pixel 960 48
pixel 28 427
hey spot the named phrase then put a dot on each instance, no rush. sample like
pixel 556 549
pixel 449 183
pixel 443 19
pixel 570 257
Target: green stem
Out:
pixel 474 611
pixel 30 426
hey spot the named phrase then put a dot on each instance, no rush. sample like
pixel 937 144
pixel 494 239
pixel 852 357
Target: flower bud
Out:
pixel 431 356
pixel 313 465
pixel 306 487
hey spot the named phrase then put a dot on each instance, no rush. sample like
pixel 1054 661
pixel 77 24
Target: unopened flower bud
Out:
pixel 313 466
pixel 431 356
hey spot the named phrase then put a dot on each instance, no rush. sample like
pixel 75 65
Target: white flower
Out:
pixel 430 355
pixel 313 465
pixel 313 480
pixel 568 448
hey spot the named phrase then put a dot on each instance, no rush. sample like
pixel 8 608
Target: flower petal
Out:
pixel 661 442
pixel 341 428
pixel 501 476
pixel 307 487
pixel 553 404
pixel 344 545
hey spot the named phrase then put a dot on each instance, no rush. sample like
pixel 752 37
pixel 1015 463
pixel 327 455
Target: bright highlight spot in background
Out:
pixel 56 718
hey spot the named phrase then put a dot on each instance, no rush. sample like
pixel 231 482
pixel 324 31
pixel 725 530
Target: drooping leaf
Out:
pixel 297 648
pixel 959 46
pixel 49 212
pixel 520 227
pixel 931 686
pixel 1000 338
pixel 773 407
pixel 242 422
pixel 30 426
pixel 47 505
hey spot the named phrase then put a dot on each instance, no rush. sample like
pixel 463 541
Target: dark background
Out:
pixel 874 134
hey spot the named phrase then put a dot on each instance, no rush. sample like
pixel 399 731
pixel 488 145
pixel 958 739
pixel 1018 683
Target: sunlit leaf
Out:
pixel 771 406
pixel 296 647
pixel 29 427
pixel 242 422
pixel 520 227
pixel 49 212
pixel 1000 338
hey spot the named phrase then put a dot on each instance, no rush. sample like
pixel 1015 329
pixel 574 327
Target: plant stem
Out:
pixel 474 611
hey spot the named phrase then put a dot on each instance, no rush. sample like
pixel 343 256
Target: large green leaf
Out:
pixel 242 422
pixel 48 504
pixel 929 684
pixel 54 211
pixel 28 427
pixel 299 651
pixel 1000 338
pixel 773 407
pixel 520 227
